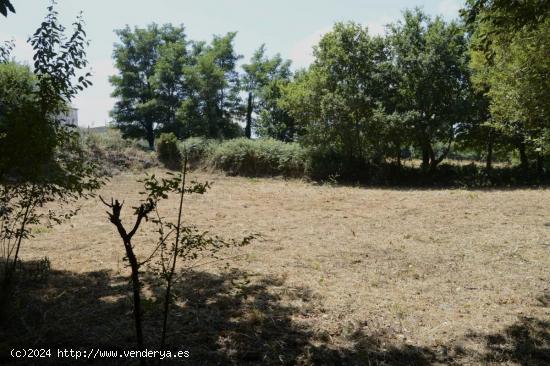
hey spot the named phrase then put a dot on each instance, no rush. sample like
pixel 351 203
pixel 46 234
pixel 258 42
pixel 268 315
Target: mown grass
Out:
pixel 342 276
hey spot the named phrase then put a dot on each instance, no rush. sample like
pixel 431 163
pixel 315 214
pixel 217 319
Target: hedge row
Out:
pixel 268 157
pixel 237 157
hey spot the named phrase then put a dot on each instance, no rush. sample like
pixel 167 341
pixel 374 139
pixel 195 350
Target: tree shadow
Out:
pixel 544 299
pixel 526 343
pixel 61 309
pixel 229 318
pixel 240 319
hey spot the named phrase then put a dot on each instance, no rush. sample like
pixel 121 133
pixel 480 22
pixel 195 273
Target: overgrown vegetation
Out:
pixel 439 88
pixel 113 154
pixel 268 158
pixel 259 158
pixel 41 160
pixel 168 150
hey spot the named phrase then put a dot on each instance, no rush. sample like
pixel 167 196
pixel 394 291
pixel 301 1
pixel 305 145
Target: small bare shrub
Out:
pixel 177 241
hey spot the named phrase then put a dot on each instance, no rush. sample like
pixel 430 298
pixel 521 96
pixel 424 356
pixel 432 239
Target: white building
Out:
pixel 70 117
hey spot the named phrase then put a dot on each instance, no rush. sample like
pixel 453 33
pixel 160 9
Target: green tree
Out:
pixel 511 62
pixel 213 105
pixel 263 80
pixel 335 100
pixel 149 84
pixel 168 81
pixel 431 61
pixel 41 160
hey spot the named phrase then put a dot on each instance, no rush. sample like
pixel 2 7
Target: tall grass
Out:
pixel 114 154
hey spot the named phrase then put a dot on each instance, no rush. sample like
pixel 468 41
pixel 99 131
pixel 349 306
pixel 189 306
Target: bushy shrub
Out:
pixel 168 150
pixel 324 163
pixel 111 139
pixel 259 158
pixel 198 150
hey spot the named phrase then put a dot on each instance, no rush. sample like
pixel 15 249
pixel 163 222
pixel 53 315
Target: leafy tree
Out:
pixel 5 50
pixel 149 84
pixel 273 120
pixel 335 100
pixel 503 18
pixel 213 103
pixel 431 62
pixel 510 42
pixel 263 80
pixel 41 160
pixel 392 131
pixel 168 81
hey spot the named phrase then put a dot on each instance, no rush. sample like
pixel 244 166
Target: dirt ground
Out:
pixel 348 275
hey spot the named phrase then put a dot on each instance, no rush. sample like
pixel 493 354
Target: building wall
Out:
pixel 70 117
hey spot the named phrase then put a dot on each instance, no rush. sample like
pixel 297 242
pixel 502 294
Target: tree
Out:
pixel 149 84
pixel 431 62
pixel 5 51
pixel 6 5
pixel 177 241
pixel 510 59
pixel 169 85
pixel 503 18
pixel 263 80
pixel 273 120
pixel 41 160
pixel 334 101
pixel 213 104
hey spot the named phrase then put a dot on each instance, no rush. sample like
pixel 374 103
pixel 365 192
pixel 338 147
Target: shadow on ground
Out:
pixel 232 318
pixel 526 343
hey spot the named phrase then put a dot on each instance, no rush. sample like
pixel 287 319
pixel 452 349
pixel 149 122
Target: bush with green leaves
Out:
pixel 41 160
pixel 198 150
pixel 168 151
pixel 259 158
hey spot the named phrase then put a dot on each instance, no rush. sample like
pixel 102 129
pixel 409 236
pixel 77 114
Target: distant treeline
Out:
pixel 477 86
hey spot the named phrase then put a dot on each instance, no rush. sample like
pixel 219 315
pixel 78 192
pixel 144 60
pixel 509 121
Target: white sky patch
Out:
pixel 378 28
pixel 94 103
pixel 301 53
pixel 22 52
pixel 449 8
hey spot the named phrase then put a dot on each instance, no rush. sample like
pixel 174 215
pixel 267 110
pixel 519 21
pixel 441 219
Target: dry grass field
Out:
pixel 341 275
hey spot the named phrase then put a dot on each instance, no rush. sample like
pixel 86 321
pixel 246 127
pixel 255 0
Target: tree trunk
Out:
pixel 150 136
pixel 141 212
pixel 489 159
pixel 433 160
pixel 136 289
pixel 540 165
pixel 524 163
pixel 9 270
pixel 425 158
pixel 398 155
pixel 248 128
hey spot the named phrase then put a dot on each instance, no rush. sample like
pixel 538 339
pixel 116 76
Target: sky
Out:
pixel 288 27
